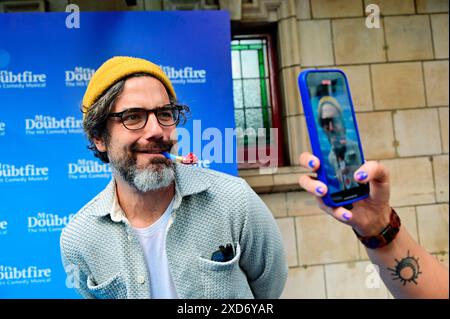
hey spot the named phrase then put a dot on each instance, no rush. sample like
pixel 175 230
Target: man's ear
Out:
pixel 100 144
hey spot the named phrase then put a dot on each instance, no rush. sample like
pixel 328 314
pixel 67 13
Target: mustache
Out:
pixel 155 147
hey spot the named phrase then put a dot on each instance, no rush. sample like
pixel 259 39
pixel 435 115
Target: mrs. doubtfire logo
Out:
pixel 11 275
pixel 22 80
pixel 185 75
pixel 88 169
pixel 47 125
pixel 79 77
pixel 46 223
pixel 10 173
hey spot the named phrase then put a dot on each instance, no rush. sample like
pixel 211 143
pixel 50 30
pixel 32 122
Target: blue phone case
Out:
pixel 312 129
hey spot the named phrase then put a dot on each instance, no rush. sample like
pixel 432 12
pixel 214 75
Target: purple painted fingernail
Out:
pixel 346 216
pixel 319 190
pixel 360 176
pixel 311 163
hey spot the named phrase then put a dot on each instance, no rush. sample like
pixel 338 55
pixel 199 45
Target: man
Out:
pixel 344 155
pixel 159 229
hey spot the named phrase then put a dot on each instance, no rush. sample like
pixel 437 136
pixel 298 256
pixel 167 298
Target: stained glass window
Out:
pixel 251 89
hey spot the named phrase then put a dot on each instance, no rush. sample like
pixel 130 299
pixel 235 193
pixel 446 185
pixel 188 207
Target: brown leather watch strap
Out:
pixel 386 236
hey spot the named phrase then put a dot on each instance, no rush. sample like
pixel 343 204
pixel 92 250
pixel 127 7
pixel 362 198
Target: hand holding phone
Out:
pixel 334 134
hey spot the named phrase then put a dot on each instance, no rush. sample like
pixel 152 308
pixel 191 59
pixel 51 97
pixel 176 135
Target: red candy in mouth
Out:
pixel 190 159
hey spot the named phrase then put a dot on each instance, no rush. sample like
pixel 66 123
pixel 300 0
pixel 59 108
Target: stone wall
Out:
pixel 399 78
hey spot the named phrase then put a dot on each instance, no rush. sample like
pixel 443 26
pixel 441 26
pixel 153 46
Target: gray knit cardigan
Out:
pixel 105 260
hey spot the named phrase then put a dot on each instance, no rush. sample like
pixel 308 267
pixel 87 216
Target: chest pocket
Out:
pixel 113 288
pixel 224 279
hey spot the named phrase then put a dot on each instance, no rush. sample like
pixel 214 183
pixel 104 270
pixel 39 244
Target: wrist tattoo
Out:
pixel 406 270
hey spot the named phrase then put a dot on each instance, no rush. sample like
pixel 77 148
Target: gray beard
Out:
pixel 144 179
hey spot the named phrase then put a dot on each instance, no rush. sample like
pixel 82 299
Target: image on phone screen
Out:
pixel 336 129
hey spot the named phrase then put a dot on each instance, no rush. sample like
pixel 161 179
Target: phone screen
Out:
pixel 337 132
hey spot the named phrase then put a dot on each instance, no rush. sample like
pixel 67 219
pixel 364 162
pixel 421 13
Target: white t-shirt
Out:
pixel 153 242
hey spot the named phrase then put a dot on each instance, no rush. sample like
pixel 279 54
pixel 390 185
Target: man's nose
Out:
pixel 152 129
pixel 330 126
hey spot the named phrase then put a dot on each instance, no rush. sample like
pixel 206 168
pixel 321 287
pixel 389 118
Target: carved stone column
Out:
pixel 232 6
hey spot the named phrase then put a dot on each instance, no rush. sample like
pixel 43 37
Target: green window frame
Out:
pixel 250 71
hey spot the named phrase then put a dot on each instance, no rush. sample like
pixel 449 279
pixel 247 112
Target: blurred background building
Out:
pixel 399 78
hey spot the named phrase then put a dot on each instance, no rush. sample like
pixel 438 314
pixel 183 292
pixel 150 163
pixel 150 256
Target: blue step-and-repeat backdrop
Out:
pixel 46 171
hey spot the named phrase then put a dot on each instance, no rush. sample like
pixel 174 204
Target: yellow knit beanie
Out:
pixel 115 69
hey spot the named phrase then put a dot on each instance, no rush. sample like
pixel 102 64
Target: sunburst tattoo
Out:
pixel 407 270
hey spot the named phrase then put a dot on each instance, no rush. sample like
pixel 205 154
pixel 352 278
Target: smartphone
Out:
pixel 333 132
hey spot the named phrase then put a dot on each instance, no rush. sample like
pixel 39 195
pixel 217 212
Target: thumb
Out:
pixel 372 171
pixel 378 176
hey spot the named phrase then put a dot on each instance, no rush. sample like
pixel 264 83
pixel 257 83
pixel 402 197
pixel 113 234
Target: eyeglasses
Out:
pixel 136 118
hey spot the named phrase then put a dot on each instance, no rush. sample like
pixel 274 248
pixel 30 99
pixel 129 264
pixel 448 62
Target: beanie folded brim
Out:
pixel 117 68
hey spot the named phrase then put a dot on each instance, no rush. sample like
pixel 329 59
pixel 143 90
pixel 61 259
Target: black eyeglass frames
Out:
pixel 136 118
